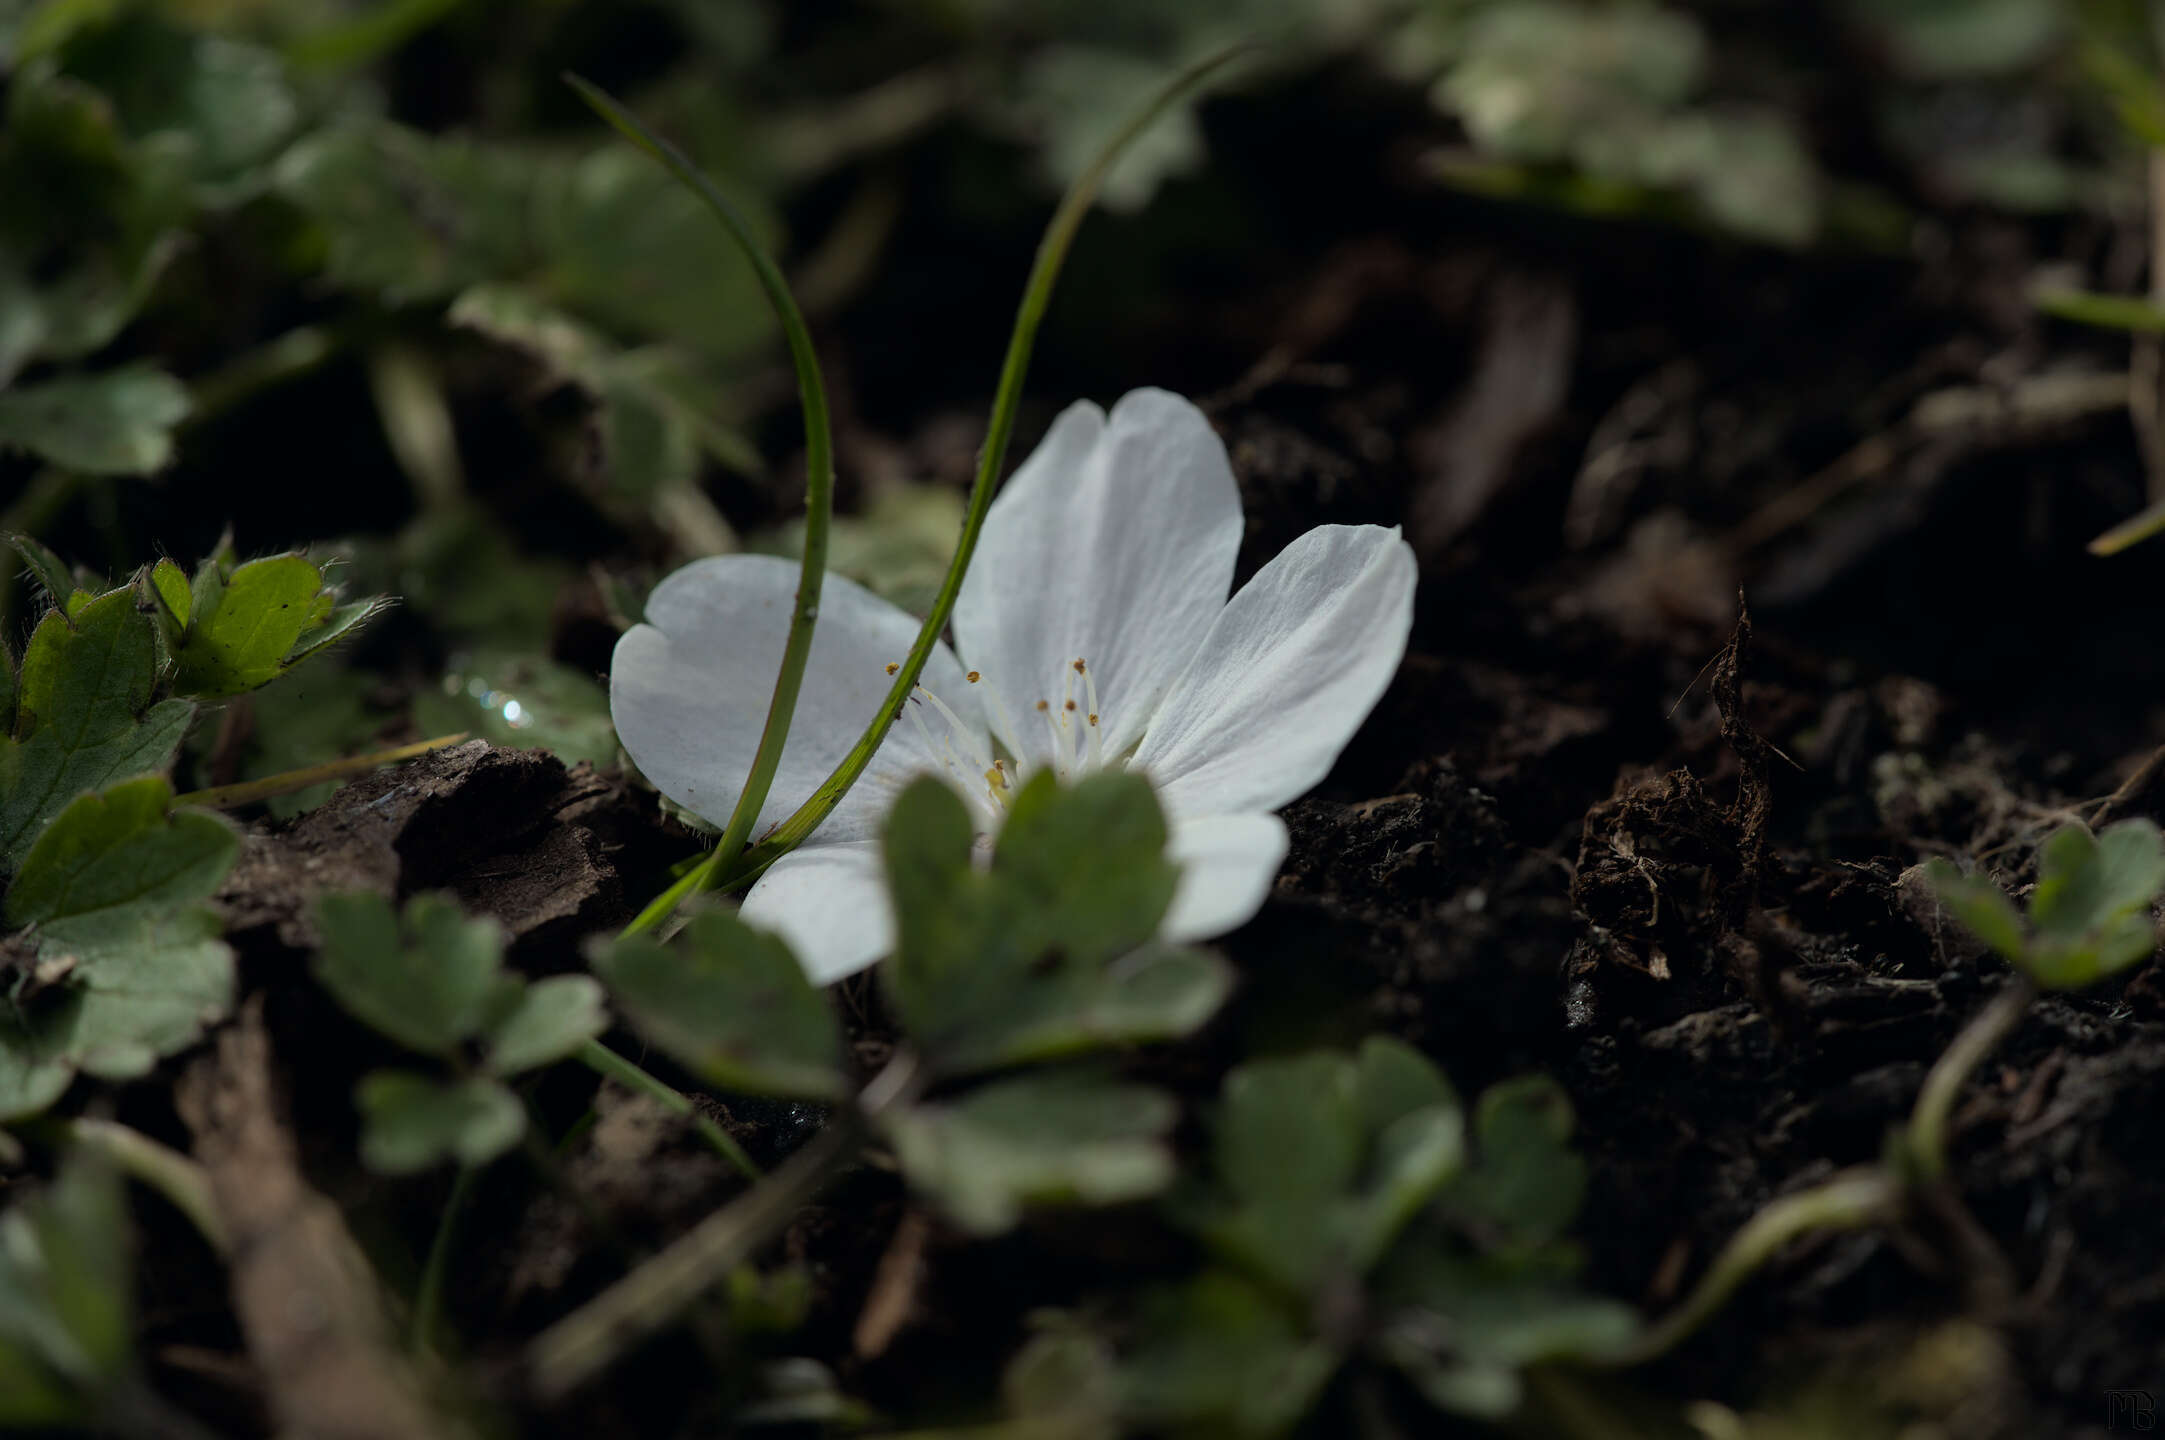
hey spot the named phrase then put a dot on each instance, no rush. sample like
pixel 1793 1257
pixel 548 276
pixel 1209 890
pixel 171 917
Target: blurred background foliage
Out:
pixel 367 276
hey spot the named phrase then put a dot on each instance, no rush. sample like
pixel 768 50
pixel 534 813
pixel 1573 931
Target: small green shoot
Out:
pixel 67 1319
pixel 2090 915
pixel 433 980
pixel 128 965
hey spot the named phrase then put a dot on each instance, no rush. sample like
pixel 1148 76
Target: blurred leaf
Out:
pixel 897 547
pixel 524 700
pixel 731 1004
pixel 1049 951
pixel 1064 1384
pixel 1223 1355
pixel 223 100
pixel 1079 96
pixel 1980 906
pixel 84 717
pixel 552 1018
pixel 1527 1184
pixel 1963 39
pixel 410 1122
pixel 2091 909
pixel 1040 1138
pixel 321 714
pixel 116 423
pixel 66 1299
pixel 132 956
pixel 428 978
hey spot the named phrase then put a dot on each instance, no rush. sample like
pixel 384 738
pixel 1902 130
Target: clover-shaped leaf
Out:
pixel 1049 951
pixel 83 715
pixel 410 1122
pixel 1322 1159
pixel 2090 914
pixel 1039 1138
pixel 428 979
pixel 66 1326
pixel 730 1003
pixel 1528 1183
pixel 128 963
pixel 237 628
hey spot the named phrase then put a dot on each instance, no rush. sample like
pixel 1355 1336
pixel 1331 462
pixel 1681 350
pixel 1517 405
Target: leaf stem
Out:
pixel 247 792
pixel 179 1179
pixel 604 1061
pixel 428 1301
pixel 1924 1144
pixel 818 463
pixel 1007 398
pixel 1847 1201
pixel 590 1339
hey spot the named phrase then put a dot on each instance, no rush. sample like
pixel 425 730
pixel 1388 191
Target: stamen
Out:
pixel 892 667
pixel 973 677
pixel 1097 738
pixel 978 757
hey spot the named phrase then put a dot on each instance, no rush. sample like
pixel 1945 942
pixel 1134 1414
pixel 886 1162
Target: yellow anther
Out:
pixel 1093 719
pixel 1068 704
pixel 892 668
pixel 1041 705
pixel 1078 667
pixel 973 677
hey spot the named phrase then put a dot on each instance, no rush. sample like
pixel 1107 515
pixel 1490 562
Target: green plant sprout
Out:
pixel 2089 918
pixel 432 980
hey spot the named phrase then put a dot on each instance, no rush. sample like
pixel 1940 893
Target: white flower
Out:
pixel 1097 629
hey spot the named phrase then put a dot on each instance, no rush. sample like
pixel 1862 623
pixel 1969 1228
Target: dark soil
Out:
pixel 1604 825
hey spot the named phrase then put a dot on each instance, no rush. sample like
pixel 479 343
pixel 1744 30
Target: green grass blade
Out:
pixel 818 482
pixel 1044 272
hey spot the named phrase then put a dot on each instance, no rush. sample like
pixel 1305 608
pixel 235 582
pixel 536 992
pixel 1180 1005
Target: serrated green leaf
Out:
pixel 84 717
pixel 332 623
pixel 1980 905
pixel 1048 952
pixel 1041 1138
pixel 552 1018
pixel 114 886
pixel 119 422
pixel 410 1122
pixel 241 631
pixel 429 979
pixel 730 1003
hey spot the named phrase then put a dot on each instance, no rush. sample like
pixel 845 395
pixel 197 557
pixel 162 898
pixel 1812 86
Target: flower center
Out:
pixel 1077 742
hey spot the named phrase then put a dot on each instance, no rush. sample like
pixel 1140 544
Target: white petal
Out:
pixel 1113 543
pixel 1227 865
pixel 689 691
pixel 830 903
pixel 1295 663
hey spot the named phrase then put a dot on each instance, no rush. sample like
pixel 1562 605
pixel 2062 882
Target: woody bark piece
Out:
pixel 308 1305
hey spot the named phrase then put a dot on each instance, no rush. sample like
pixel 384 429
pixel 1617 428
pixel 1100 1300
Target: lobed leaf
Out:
pixel 119 422
pixel 84 716
pixel 1040 1138
pixel 410 1122
pixel 731 1004
pixel 551 1019
pixel 428 979
pixel 242 628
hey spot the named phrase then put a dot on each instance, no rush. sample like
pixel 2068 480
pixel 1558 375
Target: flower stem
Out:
pixel 1847 1201
pixel 1037 294
pixel 1924 1145
pixel 428 1300
pixel 590 1339
pixel 604 1061
pixel 818 462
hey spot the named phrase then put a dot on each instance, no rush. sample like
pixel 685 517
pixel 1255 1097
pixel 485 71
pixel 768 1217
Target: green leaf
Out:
pixel 66 1298
pixel 170 585
pixel 116 423
pixel 428 979
pixel 552 1018
pixel 52 573
pixel 1079 97
pixel 84 717
pixel 1528 1183
pixel 244 628
pixel 410 1122
pixel 114 887
pixel 1049 951
pixel 731 1004
pixel 1222 1355
pixel 339 622
pixel 1981 907
pixel 1322 1160
pixel 1044 1138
